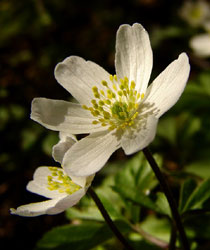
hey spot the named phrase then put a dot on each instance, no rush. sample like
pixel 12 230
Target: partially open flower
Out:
pixel 115 110
pixel 52 183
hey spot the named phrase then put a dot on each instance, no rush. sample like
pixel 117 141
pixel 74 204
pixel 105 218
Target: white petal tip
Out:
pixel 134 26
pixel 184 56
pixel 13 211
pixel 21 212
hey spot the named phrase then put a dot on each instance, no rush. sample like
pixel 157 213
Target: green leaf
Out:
pixel 162 204
pixel 136 173
pixel 186 190
pixel 110 207
pixel 79 237
pixel 134 182
pixel 89 212
pixel 158 227
pixel 200 168
pixel 87 209
pixel 198 196
pixel 140 198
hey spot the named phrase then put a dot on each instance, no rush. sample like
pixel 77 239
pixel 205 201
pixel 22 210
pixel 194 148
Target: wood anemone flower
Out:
pixel 114 110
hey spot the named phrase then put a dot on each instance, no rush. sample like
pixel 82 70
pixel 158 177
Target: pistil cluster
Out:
pixel 116 104
pixel 61 182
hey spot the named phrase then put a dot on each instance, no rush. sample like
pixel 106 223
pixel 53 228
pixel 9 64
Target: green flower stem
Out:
pixel 108 219
pixel 170 198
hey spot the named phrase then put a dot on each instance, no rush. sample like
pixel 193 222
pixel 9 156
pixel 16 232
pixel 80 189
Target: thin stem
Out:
pixel 169 197
pixel 108 219
pixel 172 243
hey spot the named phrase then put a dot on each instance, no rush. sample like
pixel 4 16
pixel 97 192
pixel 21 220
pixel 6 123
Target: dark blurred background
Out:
pixel 35 36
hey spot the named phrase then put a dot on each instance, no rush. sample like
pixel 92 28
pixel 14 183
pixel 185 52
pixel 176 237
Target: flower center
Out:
pixel 115 104
pixel 196 12
pixel 61 182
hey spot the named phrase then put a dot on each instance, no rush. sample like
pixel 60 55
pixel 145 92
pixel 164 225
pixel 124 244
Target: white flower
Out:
pixel 116 111
pixel 196 13
pixel 200 44
pixel 53 183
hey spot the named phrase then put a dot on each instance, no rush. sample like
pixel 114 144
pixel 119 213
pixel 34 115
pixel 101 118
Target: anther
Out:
pixel 93 101
pixel 85 107
pixel 104 83
pixel 133 85
pixel 102 92
pixel 95 89
pixel 101 103
pixel 108 102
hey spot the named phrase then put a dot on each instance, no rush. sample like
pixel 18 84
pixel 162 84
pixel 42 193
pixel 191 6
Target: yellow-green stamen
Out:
pixel 61 182
pixel 116 104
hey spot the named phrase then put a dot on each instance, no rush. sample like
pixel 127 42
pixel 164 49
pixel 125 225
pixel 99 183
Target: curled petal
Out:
pixel 59 150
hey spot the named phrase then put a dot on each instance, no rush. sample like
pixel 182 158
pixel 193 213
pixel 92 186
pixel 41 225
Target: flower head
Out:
pixel 196 13
pixel 53 183
pixel 115 110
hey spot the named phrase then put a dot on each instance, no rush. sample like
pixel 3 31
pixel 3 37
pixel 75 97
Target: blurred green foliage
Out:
pixel 35 36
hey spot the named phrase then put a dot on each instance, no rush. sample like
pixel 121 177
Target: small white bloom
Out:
pixel 200 44
pixel 62 190
pixel 115 110
pixel 52 183
pixel 196 13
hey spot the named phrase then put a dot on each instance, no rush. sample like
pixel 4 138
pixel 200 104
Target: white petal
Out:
pixel 59 150
pixel 54 206
pixel 79 76
pixel 63 116
pixel 34 209
pixel 82 181
pixel 136 140
pixel 89 155
pixel 166 89
pixel 134 55
pixel 64 135
pixel 67 201
pixel 201 45
pixel 62 147
pixel 39 184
